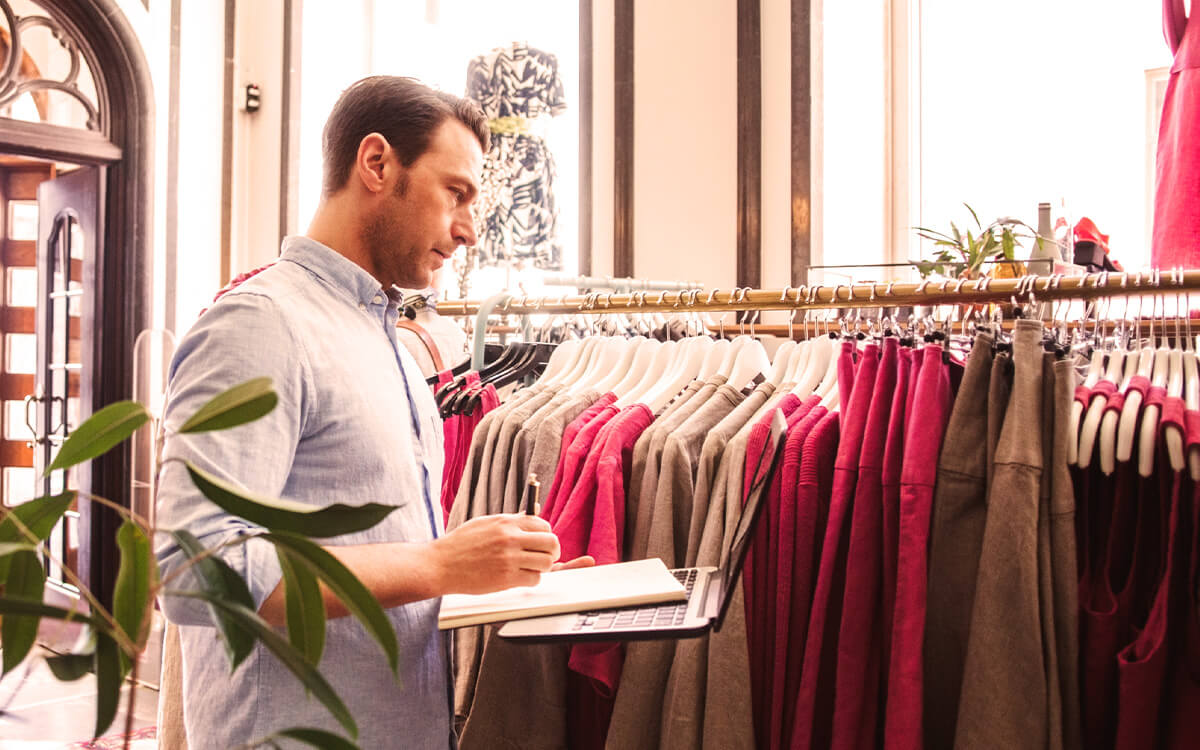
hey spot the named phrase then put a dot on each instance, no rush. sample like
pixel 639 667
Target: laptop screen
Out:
pixel 771 458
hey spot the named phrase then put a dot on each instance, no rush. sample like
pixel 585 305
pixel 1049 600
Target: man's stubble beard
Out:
pixel 381 237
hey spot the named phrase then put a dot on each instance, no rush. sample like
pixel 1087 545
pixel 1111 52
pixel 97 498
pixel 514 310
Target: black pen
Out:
pixel 531 495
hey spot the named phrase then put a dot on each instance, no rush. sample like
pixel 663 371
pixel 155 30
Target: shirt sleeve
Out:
pixel 243 337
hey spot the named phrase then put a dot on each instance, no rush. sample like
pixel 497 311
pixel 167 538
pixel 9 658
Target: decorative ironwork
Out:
pixel 13 85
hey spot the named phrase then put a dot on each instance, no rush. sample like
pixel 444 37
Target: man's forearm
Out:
pixel 396 573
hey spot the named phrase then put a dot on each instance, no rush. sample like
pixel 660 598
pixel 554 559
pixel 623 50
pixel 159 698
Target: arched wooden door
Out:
pixel 75 99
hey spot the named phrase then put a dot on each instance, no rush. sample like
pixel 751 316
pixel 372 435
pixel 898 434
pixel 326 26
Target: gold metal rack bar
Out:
pixel 890 294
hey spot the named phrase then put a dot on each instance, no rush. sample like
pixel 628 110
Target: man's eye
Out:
pixel 458 195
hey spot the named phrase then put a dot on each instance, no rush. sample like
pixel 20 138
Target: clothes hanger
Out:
pixel 637 383
pixel 1107 440
pixel 781 364
pixel 1112 375
pixel 1148 427
pixel 1172 434
pixel 751 363
pixel 1095 366
pixel 1127 428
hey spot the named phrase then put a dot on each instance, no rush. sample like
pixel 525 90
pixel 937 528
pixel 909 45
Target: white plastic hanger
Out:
pixel 1148 428
pixel 631 348
pixel 1127 427
pixel 690 358
pixel 561 360
pixel 714 358
pixel 1107 441
pixel 652 358
pixel 1095 366
pixel 1090 427
pixel 781 365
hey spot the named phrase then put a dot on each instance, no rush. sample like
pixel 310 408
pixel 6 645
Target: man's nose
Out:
pixel 464 231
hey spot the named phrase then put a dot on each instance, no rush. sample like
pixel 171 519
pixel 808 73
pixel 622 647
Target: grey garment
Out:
pixel 1062 553
pixel 531 716
pixel 470 502
pixel 639 699
pixel 1003 701
pixel 521 451
pixel 707 703
pixel 999 392
pixel 504 496
pixel 547 443
pixel 955 536
pixel 639 503
pixel 1045 563
pixel 709 484
pixel 647 454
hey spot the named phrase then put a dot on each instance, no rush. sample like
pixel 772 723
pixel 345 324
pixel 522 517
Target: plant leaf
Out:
pixel 136 576
pixel 38 515
pixel 223 581
pixel 240 404
pixel 974 215
pixel 12 548
pixel 315 737
pixel 955 233
pixel 1008 241
pixel 281 515
pixel 70 667
pixel 304 605
pixel 99 433
pixel 351 591
pixel 109 675
pixel 11 606
pixel 27 581
pixel 290 657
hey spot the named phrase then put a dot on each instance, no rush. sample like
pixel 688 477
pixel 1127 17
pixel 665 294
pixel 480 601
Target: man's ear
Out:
pixel 369 162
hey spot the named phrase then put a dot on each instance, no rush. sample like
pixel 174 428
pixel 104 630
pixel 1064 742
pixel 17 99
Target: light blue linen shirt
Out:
pixel 354 423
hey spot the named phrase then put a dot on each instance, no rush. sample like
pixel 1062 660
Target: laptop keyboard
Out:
pixel 659 615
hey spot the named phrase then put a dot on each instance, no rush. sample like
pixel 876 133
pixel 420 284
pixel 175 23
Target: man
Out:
pixel 354 423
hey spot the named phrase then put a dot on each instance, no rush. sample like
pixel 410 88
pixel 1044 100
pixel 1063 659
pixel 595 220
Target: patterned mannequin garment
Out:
pixel 516 213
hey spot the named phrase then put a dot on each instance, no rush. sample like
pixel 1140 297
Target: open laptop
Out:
pixel 709 589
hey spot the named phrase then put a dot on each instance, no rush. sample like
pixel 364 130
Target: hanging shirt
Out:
pixel 1004 691
pixel 860 639
pixel 819 432
pixel 814 704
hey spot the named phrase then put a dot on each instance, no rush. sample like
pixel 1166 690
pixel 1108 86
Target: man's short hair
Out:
pixel 402 110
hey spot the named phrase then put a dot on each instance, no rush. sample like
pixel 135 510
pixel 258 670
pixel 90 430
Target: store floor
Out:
pixel 42 713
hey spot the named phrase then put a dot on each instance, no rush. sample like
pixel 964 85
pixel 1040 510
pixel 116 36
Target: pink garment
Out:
pixel 925 427
pixel 856 696
pixel 814 703
pixel 582 431
pixel 458 431
pixel 1176 239
pixel 592 521
pixel 807 472
pixel 893 464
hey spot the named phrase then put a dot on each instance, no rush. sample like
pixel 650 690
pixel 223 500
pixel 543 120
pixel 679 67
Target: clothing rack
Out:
pixel 483 310
pixel 623 284
pixel 1028 289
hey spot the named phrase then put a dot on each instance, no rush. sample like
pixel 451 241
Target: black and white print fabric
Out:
pixel 516 212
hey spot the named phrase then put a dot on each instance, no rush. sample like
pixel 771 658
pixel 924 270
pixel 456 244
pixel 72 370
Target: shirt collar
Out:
pixel 337 270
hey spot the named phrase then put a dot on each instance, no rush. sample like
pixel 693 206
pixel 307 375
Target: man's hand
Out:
pixel 490 553
pixel 585 561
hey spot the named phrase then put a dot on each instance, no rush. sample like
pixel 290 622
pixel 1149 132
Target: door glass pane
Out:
pixel 14 421
pixel 22 220
pixel 18 485
pixel 22 287
pixel 46 57
pixel 20 353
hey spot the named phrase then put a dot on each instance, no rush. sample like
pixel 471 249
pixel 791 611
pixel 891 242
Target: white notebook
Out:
pixel 577 590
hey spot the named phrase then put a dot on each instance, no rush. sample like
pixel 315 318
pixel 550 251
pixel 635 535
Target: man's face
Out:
pixel 426 214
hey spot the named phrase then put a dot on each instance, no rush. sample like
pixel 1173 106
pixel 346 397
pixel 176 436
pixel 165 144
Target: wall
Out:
pixel 685 141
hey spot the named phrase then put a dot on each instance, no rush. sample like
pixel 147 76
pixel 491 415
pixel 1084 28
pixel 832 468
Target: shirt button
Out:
pixel 361 306
pixel 378 300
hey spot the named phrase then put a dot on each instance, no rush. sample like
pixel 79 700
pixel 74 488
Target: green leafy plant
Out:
pixel 963 254
pixel 116 637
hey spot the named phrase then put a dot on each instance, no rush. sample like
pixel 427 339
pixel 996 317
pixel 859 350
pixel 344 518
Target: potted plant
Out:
pixel 965 254
pixel 118 634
